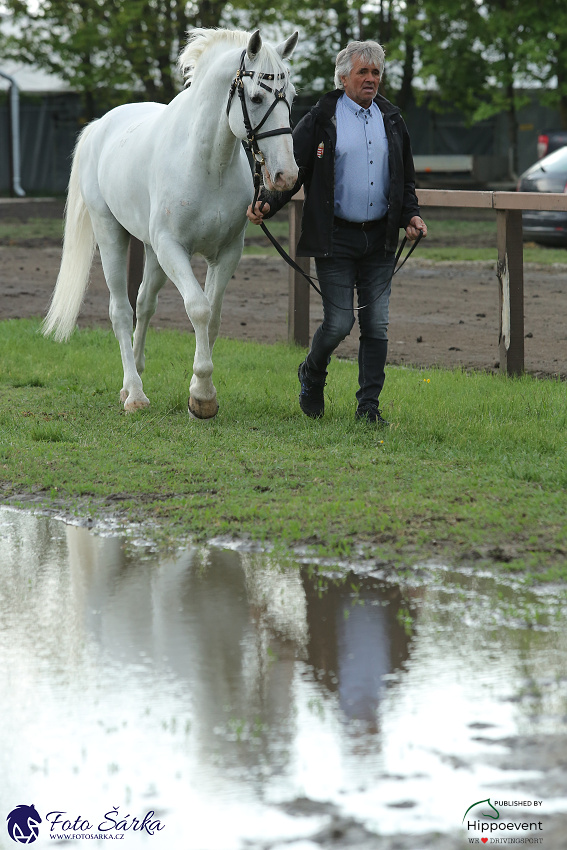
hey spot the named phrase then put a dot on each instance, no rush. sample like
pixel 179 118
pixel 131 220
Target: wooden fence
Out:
pixel 509 269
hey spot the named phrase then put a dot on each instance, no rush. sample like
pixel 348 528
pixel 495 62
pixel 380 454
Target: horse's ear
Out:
pixel 254 45
pixel 286 48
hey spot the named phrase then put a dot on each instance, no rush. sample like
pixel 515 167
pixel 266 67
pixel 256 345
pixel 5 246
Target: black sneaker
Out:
pixel 311 397
pixel 371 413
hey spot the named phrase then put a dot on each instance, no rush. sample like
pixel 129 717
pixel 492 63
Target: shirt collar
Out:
pixel 355 107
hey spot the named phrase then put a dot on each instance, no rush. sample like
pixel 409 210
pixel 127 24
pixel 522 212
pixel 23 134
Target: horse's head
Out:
pixel 261 112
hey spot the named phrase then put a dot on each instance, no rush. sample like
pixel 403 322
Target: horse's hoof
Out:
pixel 202 409
pixel 133 406
pixel 133 403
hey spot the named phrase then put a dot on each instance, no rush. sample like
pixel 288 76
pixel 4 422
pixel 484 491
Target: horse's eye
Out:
pixel 257 98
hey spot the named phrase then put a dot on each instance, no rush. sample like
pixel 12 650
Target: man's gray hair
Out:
pixel 368 51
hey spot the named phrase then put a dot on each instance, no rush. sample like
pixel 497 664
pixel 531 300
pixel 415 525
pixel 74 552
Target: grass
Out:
pixel 473 468
pixel 13 231
pixel 449 240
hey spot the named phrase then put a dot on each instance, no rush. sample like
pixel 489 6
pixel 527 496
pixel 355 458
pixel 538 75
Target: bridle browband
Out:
pixel 252 134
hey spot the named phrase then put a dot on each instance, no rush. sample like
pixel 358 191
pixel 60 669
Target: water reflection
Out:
pixel 356 638
pixel 220 688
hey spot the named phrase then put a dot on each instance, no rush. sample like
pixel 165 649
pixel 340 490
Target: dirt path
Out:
pixel 441 314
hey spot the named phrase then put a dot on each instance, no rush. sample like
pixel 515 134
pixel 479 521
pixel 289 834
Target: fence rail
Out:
pixel 509 268
pixel 508 207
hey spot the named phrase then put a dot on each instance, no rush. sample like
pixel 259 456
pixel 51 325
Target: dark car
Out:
pixel 546 175
pixel 549 141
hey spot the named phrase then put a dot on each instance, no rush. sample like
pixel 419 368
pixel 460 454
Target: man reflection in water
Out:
pixel 355 640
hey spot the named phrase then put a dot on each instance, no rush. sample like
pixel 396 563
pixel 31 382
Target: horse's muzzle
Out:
pixel 282 181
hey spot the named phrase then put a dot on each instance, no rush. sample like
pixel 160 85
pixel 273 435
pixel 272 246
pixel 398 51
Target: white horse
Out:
pixel 177 178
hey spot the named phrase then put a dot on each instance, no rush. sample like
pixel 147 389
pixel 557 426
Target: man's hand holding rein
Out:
pixel 414 228
pixel 256 215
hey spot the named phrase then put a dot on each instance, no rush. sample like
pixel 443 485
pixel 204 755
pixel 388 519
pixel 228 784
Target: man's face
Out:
pixel 361 85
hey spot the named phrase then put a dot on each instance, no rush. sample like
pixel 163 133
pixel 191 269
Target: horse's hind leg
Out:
pixel 146 303
pixel 113 242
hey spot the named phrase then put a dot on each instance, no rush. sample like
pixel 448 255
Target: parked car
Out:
pixel 549 141
pixel 549 227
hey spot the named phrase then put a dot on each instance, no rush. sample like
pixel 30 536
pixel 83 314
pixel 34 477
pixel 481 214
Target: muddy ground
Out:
pixel 444 314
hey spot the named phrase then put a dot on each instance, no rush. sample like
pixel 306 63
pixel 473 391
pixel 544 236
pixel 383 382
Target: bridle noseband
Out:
pixel 252 134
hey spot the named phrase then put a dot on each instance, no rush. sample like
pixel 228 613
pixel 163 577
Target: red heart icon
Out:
pixel 484 840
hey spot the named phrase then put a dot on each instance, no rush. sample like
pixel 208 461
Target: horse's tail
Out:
pixel 78 249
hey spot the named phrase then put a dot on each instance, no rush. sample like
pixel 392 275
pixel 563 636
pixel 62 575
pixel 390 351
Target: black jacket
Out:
pixel 314 141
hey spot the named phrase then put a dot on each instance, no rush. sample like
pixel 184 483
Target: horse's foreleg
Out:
pixel 146 303
pixel 113 243
pixel 176 264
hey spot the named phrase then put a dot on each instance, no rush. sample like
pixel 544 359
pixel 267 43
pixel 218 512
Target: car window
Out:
pixel 556 161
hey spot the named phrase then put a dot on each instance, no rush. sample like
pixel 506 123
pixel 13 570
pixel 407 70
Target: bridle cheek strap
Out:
pixel 252 134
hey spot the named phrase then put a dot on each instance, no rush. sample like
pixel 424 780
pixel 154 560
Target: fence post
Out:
pixel 135 271
pixel 298 300
pixel 510 272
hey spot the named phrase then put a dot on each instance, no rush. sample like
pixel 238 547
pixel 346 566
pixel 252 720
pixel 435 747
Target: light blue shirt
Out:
pixel 362 174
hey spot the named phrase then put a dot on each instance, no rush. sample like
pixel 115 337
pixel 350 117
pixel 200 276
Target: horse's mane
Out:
pixel 199 41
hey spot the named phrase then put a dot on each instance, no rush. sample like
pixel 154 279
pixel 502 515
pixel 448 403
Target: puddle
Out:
pixel 252 705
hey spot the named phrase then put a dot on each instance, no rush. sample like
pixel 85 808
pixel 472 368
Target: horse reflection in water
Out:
pixel 211 672
pixel 227 631
pixel 234 626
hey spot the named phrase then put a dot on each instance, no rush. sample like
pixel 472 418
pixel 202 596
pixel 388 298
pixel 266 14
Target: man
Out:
pixel 355 162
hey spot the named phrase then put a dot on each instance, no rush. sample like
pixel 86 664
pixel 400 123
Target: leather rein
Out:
pixel 310 280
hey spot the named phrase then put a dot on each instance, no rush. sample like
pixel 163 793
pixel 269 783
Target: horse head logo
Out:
pixel 23 824
pixel 494 814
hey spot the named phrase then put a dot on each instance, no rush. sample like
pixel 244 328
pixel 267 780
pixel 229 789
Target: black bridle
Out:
pixel 252 134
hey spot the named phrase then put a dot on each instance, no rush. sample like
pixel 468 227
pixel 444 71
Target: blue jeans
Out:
pixel 358 261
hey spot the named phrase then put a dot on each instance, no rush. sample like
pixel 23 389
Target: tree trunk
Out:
pixel 210 12
pixel 512 132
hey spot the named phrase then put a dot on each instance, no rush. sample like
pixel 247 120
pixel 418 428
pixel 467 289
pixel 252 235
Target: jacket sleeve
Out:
pixel 303 135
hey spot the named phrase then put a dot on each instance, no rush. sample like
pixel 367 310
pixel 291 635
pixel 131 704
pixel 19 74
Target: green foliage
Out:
pixel 111 50
pixel 474 55
pixel 473 467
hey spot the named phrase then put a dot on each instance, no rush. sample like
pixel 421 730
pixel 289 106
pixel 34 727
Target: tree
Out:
pixel 474 54
pixel 478 53
pixel 113 51
pixel 550 56
pixel 326 26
